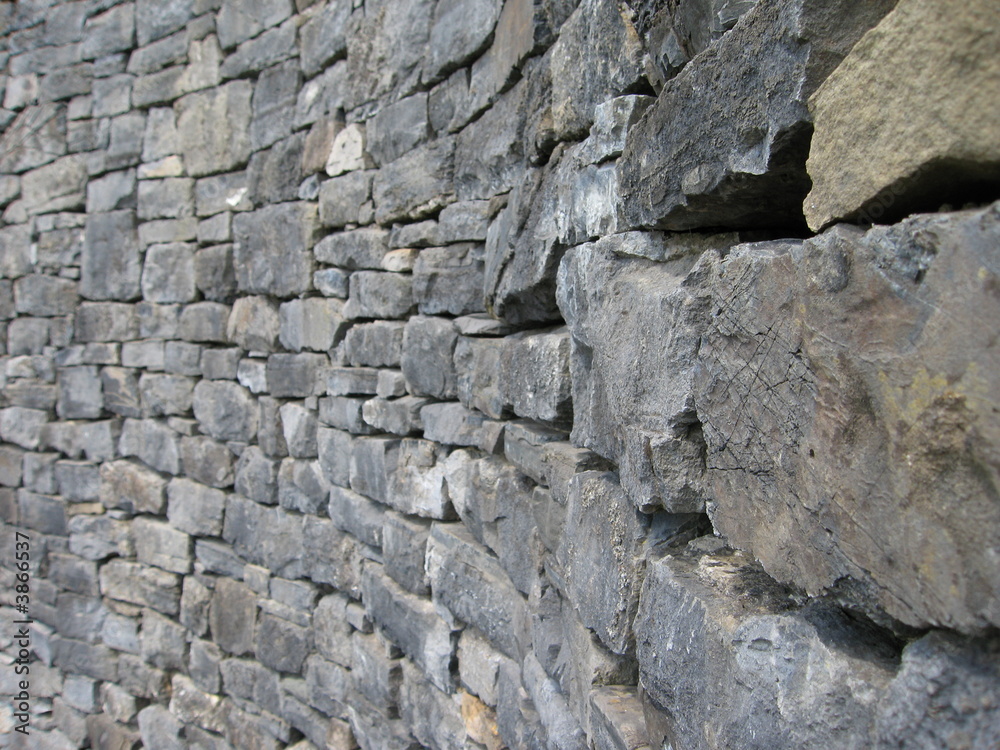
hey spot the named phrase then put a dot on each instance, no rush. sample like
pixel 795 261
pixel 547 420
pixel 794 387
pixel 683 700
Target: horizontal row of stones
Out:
pixel 168 609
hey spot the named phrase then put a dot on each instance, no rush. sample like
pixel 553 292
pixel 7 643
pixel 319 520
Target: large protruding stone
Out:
pixel 887 143
pixel 726 142
pixel 844 391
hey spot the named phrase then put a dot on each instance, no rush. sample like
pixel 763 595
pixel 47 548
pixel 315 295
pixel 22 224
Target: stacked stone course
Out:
pixel 474 374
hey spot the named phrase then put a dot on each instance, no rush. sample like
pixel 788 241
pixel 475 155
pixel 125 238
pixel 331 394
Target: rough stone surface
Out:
pixel 397 374
pixel 748 169
pixel 833 381
pixel 902 161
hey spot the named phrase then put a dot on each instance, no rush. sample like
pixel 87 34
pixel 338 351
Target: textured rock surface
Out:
pixel 854 430
pixel 357 390
pixel 746 169
pixel 902 162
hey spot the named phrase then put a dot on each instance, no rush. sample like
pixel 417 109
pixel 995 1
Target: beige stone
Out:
pixel 909 118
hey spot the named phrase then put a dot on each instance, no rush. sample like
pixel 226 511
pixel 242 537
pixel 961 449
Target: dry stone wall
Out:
pixel 500 373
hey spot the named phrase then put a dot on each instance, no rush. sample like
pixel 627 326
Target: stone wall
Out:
pixel 483 373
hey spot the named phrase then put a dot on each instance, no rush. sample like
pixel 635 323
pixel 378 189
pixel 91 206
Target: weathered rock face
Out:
pixel 860 376
pixel 744 168
pixel 384 374
pixel 902 161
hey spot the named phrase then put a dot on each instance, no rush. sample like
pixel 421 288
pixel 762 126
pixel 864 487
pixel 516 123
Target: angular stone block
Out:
pixel 271 250
pixel 226 411
pixel 735 621
pixel 471 584
pixel 412 624
pixel 233 616
pixel 417 184
pixel 694 160
pixel 195 508
pixel 803 364
pixel 449 280
pixel 206 147
pixel 883 144
pixel 427 361
pixel 110 266
pixel 650 428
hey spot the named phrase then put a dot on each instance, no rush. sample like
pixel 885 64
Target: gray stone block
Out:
pixel 302 486
pixel 233 617
pixel 153 443
pixel 267 536
pixel 226 411
pixel 314 323
pixel 417 184
pixel 470 583
pixel 271 47
pixel 379 295
pixel 273 104
pixel 168 273
pixel 377 344
pixel 452 424
pixel 204 321
pixel 208 148
pixel 207 461
pixel 214 273
pixel 132 487
pixel 271 250
pixel 404 546
pixel 323 38
pixel 412 624
pixel 163 395
pixel 449 280
pixel 257 476
pixel 194 508
pixel 274 175
pixel 157 543
pixel 105 321
pixel 141 585
pixel 297 375
pixel 80 393
pixel 767 643
pixel 341 201
pixel 110 266
pixel 427 361
pixel 42 295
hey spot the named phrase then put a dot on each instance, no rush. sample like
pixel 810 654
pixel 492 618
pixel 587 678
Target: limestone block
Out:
pixel 274 175
pixel 385 48
pixel 110 266
pixel 428 352
pixel 341 200
pixel 773 651
pixel 863 351
pixel 397 129
pixel 154 443
pixel 449 280
pixel 254 324
pixel 271 250
pixel 257 476
pixel 323 38
pixel 168 273
pixel 226 411
pixel 132 487
pixel 314 323
pixel 302 486
pixel 297 375
pixel 412 624
pixel 206 147
pixel 648 426
pixel 233 616
pixel 377 294
pixel 417 184
pixel 471 584
pixel 195 508
pixel 352 250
